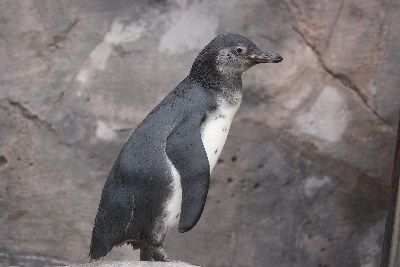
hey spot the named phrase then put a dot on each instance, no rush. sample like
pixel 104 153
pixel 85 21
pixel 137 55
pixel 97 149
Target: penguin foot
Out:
pixel 153 253
pixel 159 254
pixel 146 253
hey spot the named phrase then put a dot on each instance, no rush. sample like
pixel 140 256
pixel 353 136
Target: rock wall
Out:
pixel 303 178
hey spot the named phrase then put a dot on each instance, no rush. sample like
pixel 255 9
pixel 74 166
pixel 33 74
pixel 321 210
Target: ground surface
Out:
pixel 133 264
pixel 302 179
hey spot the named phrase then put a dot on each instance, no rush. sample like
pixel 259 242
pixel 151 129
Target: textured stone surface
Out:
pixel 302 179
pixel 132 264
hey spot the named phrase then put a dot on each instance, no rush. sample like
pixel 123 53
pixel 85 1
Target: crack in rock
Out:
pixel 57 39
pixel 28 114
pixel 343 79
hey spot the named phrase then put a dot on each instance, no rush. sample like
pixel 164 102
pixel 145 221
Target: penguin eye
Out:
pixel 239 50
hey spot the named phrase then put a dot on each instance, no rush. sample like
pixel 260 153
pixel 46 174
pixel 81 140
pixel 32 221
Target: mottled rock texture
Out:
pixel 133 264
pixel 303 178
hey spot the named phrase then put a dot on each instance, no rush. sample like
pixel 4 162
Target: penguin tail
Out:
pixel 98 248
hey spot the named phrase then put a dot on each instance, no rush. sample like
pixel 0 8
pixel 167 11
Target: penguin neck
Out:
pixel 227 86
pixel 230 88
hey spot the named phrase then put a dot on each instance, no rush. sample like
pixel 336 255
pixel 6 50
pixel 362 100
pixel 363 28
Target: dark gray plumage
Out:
pixel 163 170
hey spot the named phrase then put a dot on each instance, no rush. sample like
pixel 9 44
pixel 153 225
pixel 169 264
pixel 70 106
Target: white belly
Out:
pixel 173 208
pixel 215 130
pixel 213 135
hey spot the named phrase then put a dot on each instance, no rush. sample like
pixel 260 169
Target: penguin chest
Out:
pixel 214 131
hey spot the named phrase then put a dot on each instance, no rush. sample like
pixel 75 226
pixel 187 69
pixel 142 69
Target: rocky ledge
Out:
pixel 133 264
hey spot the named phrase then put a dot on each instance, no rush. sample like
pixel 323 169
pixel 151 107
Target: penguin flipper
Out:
pixel 186 151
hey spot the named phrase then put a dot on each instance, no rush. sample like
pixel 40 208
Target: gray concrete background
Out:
pixel 303 178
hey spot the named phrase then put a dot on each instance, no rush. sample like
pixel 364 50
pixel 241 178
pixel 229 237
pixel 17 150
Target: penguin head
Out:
pixel 232 54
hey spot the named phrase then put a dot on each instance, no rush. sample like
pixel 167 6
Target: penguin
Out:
pixel 162 174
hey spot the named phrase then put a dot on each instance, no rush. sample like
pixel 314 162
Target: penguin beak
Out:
pixel 259 56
